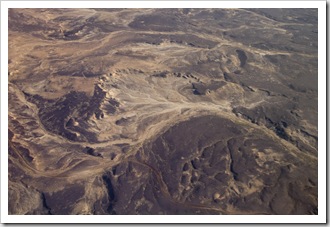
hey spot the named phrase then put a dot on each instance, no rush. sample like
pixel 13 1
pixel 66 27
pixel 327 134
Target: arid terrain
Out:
pixel 163 111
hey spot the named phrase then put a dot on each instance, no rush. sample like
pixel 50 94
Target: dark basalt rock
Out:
pixel 91 151
pixel 203 89
pixel 242 57
pixel 62 202
pixel 160 74
pixel 54 113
